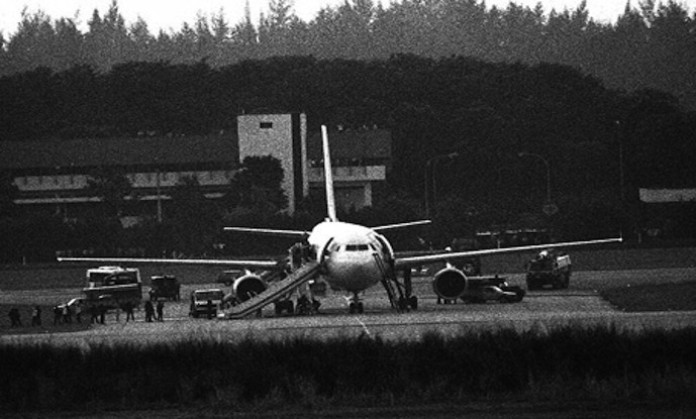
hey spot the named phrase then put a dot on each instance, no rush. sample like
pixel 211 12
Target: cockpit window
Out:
pixel 357 247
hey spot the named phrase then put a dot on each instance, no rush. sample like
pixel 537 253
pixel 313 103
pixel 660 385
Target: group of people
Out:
pixel 16 317
pixel 64 314
pixel 150 311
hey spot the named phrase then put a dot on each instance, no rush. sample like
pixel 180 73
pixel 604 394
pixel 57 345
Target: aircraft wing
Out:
pixel 299 234
pixel 405 262
pixel 258 264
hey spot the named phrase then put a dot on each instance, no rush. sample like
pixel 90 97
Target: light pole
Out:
pixel 430 164
pixel 548 172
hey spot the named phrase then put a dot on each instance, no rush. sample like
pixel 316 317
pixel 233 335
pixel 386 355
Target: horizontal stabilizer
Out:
pixel 300 234
pixel 401 225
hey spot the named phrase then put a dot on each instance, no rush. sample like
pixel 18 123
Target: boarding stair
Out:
pixel 274 291
pixel 391 285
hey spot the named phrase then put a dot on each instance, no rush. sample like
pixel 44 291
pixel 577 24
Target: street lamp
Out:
pixel 430 164
pixel 548 172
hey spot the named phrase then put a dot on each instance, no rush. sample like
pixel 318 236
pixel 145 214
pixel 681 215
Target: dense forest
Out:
pixel 651 45
pixel 503 123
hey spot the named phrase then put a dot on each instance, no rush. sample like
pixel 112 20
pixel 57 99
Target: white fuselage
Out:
pixel 354 257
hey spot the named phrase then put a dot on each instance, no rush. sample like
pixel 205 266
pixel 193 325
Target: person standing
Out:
pixel 57 315
pixel 15 317
pixel 36 316
pixel 129 311
pixel 210 309
pixel 160 311
pixel 149 311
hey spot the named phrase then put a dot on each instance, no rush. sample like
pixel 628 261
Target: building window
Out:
pixel 266 125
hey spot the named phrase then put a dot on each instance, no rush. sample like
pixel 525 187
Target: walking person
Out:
pixel 36 316
pixel 128 308
pixel 160 311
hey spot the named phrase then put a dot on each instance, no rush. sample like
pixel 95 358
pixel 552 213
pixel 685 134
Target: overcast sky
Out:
pixel 170 14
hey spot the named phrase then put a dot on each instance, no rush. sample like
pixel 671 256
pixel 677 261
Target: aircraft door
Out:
pixel 325 251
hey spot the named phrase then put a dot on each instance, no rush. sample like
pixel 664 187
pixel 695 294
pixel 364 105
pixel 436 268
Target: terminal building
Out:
pixel 54 175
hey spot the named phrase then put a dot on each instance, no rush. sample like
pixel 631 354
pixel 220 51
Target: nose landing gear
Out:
pixel 356 306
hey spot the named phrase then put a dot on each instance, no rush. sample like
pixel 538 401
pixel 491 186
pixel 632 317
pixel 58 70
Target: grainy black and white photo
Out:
pixel 348 208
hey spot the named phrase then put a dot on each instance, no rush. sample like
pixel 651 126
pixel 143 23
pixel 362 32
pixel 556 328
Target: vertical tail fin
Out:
pixel 328 177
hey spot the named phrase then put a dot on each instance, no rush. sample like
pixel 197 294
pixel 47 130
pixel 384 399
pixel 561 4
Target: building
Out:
pixel 54 174
pixel 283 136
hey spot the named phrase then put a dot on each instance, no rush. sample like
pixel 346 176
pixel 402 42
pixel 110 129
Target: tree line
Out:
pixel 600 144
pixel 649 46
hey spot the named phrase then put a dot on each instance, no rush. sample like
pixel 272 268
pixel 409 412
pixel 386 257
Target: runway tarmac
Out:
pixel 540 310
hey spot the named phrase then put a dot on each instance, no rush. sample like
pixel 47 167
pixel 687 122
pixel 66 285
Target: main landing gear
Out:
pixel 407 299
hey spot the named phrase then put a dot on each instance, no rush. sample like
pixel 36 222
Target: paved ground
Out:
pixel 539 310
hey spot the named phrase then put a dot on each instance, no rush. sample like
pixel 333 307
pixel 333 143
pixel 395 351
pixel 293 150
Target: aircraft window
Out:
pixel 357 247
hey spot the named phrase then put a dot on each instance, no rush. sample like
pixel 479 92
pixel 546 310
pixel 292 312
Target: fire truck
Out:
pixel 112 286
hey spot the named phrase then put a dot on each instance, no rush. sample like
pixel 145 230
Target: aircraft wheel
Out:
pixel 402 304
pixel 413 302
pixel 351 308
pixel 360 308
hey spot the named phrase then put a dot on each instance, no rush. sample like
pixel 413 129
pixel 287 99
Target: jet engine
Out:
pixel 449 283
pixel 247 286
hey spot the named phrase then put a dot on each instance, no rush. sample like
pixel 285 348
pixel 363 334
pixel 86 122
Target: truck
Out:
pixel 164 286
pixel 549 267
pixel 109 287
pixel 205 302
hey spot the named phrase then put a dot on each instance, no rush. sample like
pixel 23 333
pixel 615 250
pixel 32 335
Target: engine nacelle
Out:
pixel 247 286
pixel 450 283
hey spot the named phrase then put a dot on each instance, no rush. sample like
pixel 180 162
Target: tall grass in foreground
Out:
pixel 564 364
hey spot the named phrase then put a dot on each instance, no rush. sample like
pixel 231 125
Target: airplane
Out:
pixel 352 257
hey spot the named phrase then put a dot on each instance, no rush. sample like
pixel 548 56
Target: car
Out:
pixel 73 304
pixel 205 302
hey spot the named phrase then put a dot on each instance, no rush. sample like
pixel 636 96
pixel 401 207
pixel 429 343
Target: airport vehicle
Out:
pixel 495 238
pixel 205 302
pixel 111 286
pixel 348 257
pixel 491 288
pixel 164 286
pixel 549 267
